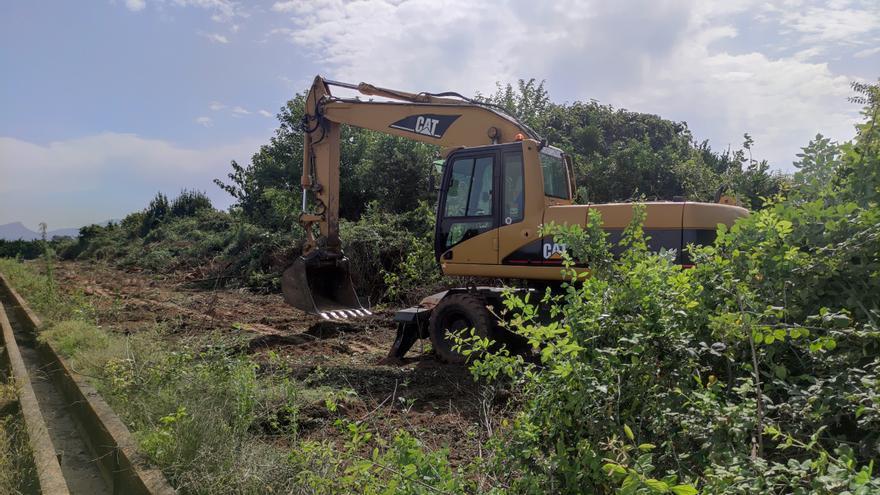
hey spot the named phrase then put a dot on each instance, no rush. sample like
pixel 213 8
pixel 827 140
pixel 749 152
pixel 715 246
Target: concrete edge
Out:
pixel 121 462
pixel 49 472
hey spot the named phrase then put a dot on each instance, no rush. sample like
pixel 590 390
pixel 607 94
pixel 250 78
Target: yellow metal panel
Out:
pixel 708 216
pixel 659 215
pixel 566 215
pixel 471 128
pixel 481 248
pixel 511 237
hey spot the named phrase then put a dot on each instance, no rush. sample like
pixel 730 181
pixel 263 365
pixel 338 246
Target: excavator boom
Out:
pixel 319 281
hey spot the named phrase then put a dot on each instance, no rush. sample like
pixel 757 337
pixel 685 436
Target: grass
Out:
pixel 70 337
pixel 17 471
pixel 200 412
pixel 213 419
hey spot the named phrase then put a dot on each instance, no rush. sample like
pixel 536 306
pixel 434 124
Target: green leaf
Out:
pixel 645 447
pixel 657 486
pixel 629 433
pixel 780 371
pixel 684 490
pixel 612 468
pixel 840 320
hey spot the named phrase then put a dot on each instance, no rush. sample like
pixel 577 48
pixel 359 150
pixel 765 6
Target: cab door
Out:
pixel 467 215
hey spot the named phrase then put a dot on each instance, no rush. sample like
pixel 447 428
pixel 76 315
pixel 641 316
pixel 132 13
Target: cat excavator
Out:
pixel 500 183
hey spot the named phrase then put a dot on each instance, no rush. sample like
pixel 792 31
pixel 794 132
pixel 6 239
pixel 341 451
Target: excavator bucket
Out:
pixel 321 285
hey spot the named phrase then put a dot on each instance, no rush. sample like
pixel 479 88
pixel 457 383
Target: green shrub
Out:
pixel 188 203
pixel 27 250
pixel 401 466
pixel 754 372
pixel 381 244
pixel 155 213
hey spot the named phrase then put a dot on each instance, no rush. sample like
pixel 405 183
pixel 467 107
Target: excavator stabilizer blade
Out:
pixel 321 286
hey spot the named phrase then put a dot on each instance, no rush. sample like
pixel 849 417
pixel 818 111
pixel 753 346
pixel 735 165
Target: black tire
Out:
pixel 455 313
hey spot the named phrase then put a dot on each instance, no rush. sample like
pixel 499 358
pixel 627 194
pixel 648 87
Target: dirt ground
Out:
pixel 439 403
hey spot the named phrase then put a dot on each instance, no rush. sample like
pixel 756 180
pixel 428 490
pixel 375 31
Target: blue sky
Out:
pixel 106 102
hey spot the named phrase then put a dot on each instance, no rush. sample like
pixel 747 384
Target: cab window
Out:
pixel 555 174
pixel 470 188
pixel 512 181
pixel 468 209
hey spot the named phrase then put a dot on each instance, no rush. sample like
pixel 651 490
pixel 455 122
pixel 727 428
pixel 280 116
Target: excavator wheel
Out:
pixel 455 313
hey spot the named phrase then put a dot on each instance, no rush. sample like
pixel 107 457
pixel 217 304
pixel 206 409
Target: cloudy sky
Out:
pixel 103 103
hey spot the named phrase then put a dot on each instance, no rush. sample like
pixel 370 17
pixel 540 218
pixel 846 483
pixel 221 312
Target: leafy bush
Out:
pixel 188 203
pixel 27 250
pixel 401 466
pixel 621 155
pixel 391 255
pixel 155 213
pixel 755 372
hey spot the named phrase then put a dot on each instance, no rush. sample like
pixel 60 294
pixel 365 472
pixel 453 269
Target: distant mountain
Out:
pixel 16 230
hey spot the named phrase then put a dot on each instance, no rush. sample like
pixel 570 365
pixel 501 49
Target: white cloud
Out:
pixel 834 22
pixel 240 111
pixel 809 53
pixel 94 178
pixel 222 10
pixel 782 102
pixel 215 38
pixel 677 58
pixel 265 113
pixel 204 121
pixel 135 5
pixel 867 52
pixel 216 106
pixel 288 6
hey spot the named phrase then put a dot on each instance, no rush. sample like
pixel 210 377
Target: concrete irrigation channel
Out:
pixel 80 446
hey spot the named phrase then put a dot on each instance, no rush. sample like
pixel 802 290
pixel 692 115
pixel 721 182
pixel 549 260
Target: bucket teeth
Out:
pixel 344 314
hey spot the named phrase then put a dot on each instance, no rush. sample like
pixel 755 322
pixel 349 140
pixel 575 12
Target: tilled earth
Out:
pixel 439 403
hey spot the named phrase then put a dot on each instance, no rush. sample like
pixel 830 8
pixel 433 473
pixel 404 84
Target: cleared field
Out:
pixel 439 404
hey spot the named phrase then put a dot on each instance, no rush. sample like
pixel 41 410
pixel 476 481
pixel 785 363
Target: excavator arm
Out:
pixel 319 281
pixel 446 122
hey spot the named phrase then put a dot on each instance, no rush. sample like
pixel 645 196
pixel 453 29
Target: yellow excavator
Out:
pixel 500 183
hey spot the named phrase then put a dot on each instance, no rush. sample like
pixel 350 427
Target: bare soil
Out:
pixel 438 403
